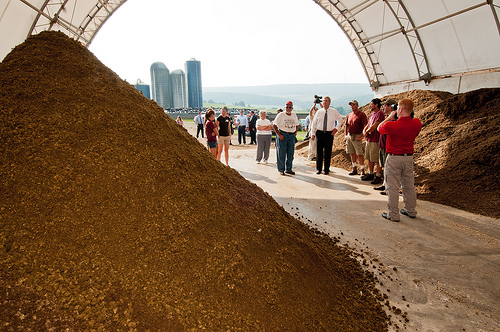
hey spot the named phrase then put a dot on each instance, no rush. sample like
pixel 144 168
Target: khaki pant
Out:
pixel 398 172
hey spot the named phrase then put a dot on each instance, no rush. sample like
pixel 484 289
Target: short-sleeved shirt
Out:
pixel 287 123
pixel 209 131
pixel 356 122
pixel 224 125
pixel 401 134
pixel 378 116
pixel 263 123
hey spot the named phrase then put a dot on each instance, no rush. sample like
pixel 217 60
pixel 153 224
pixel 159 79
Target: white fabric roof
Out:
pixel 450 45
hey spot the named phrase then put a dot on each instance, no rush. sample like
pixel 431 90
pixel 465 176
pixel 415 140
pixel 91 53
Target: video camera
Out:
pixel 318 99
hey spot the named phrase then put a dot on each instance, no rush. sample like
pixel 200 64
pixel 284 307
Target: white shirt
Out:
pixel 334 120
pixel 263 123
pixel 198 119
pixel 287 123
pixel 242 120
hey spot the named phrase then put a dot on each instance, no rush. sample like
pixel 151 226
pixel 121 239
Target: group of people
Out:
pixel 389 132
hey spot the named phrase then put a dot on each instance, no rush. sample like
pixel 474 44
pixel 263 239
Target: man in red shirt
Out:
pixel 372 137
pixel 355 122
pixel 401 136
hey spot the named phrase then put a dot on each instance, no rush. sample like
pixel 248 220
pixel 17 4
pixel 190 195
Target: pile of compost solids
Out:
pixel 115 218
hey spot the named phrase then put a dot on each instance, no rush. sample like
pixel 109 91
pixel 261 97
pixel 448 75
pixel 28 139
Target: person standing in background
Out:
pixel 252 127
pixel 372 139
pixel 198 120
pixel 311 151
pixel 264 136
pixel 285 126
pixel 179 121
pixel 223 124
pixel 388 106
pixel 326 123
pixel 211 132
pixel 242 124
pixel 355 122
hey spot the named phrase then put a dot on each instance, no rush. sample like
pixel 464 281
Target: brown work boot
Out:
pixel 354 171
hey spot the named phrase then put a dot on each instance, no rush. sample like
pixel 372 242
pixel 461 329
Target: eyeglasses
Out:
pixel 289 107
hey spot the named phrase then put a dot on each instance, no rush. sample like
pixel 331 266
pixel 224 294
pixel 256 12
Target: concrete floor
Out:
pixel 442 268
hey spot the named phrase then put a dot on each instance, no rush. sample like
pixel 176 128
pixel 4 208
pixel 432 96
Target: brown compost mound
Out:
pixel 456 153
pixel 115 218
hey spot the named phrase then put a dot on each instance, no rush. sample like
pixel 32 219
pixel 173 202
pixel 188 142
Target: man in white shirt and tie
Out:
pixel 198 120
pixel 326 123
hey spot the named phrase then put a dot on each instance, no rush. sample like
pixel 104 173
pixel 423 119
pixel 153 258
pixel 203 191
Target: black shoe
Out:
pixel 384 215
pixel 327 172
pixel 290 172
pixel 354 171
pixel 368 177
pixel 377 180
pixel 318 172
pixel 282 173
pixel 403 211
pixel 382 188
pixel 383 193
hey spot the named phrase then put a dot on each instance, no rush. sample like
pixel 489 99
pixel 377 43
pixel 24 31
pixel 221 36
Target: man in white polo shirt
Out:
pixel 285 125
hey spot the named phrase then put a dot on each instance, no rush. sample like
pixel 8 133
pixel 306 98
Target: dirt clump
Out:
pixel 115 218
pixel 456 153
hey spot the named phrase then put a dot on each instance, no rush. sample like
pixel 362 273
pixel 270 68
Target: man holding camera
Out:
pixel 388 106
pixel 401 136
pixel 326 123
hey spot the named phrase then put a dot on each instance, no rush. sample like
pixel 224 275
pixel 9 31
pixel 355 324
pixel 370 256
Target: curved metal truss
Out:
pixel 53 14
pixel 347 14
pixel 436 40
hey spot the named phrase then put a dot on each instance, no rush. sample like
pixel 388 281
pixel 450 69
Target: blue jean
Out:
pixel 284 151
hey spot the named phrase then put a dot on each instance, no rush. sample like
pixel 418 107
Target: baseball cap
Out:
pixel 390 101
pixel 289 103
pixel 355 102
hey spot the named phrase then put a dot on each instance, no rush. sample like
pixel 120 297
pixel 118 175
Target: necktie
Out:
pixel 325 120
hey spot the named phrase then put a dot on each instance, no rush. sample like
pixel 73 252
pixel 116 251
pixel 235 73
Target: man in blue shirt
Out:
pixel 242 123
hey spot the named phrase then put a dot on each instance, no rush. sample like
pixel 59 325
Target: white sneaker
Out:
pixel 265 161
pixel 257 161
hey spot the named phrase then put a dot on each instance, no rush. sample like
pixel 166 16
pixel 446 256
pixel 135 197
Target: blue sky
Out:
pixel 239 43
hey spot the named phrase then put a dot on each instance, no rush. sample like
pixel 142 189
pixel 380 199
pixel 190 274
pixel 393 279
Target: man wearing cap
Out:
pixel 285 126
pixel 355 122
pixel 326 123
pixel 388 106
pixel 372 137
pixel 401 136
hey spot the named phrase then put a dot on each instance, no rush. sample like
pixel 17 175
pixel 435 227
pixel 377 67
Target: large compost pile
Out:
pixel 114 218
pixel 456 153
